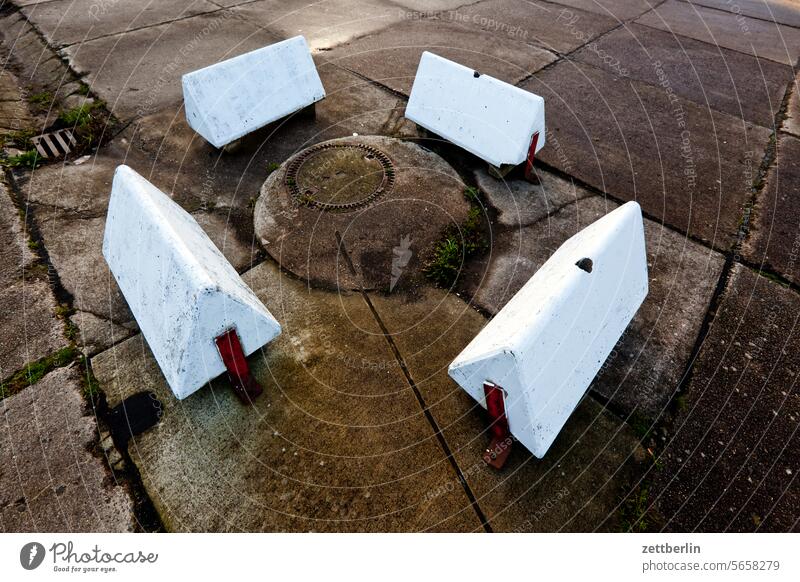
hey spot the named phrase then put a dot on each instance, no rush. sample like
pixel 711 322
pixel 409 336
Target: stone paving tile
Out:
pixel 782 11
pixel 725 80
pixel 581 480
pixel 391 57
pixel 732 462
pixel 619 9
pixel 643 372
pixel 323 24
pixel 747 35
pixel 687 166
pixel 552 26
pixel 65 22
pixel 139 72
pixel 50 481
pixel 774 240
pixel 199 175
pixel 337 441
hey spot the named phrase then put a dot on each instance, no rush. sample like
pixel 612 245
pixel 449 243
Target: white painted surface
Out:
pixel 485 116
pixel 547 344
pixel 230 99
pixel 181 289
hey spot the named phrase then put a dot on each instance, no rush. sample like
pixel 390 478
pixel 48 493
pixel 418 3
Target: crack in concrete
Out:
pixel 417 394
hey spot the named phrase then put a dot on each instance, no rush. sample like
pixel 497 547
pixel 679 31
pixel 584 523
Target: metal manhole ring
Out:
pixel 303 198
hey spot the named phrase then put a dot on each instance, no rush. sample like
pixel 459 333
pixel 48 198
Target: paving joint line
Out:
pixel 138 28
pixel 417 394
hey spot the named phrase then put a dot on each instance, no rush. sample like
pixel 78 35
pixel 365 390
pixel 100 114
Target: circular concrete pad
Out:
pixel 359 212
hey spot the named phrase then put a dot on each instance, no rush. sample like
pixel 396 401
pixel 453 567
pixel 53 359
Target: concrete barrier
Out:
pixel 537 357
pixel 190 303
pixel 230 99
pixel 497 122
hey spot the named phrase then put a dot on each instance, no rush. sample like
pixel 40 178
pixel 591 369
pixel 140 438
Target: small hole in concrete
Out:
pixel 476 74
pixel 585 264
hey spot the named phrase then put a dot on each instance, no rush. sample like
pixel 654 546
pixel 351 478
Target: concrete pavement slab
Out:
pixel 774 240
pixel 748 35
pixel 552 26
pixel 521 203
pixel 687 166
pixel 96 334
pixel 781 11
pixel 643 371
pixel 15 255
pixel 139 72
pixel 732 461
pixel 337 442
pixel 725 80
pixel 66 22
pixel 391 57
pixel 323 24
pixel 619 9
pixel 29 327
pixel 50 479
pixel 583 477
pixel 428 6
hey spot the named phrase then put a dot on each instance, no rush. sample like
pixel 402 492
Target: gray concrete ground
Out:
pixel 689 107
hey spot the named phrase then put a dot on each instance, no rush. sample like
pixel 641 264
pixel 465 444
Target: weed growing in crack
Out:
pixel 457 245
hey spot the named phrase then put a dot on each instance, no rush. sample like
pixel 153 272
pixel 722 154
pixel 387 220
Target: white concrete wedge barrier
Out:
pixel 230 99
pixel 198 316
pixel 531 365
pixel 499 123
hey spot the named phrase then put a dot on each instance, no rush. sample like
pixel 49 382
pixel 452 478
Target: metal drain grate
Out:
pixel 54 144
pixel 339 177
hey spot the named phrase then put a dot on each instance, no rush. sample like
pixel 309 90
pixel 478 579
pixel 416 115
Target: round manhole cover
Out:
pixel 359 212
pixel 339 177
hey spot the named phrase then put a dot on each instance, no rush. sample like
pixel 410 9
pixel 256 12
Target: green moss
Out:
pixel 271 167
pixel 91 387
pixel 44 99
pixel 84 89
pixel 774 278
pixel 35 371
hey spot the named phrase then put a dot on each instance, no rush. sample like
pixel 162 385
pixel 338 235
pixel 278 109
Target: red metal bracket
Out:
pixel 230 349
pixel 499 449
pixel 529 175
